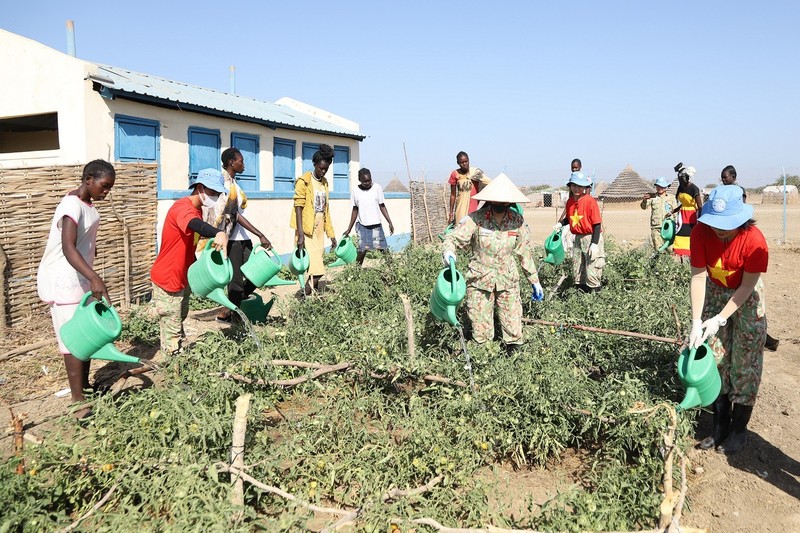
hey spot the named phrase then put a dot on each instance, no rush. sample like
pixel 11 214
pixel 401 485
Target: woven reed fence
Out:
pixel 126 241
pixel 429 202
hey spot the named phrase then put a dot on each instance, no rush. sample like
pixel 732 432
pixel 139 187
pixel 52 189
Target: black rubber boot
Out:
pixel 738 436
pixel 511 349
pixel 772 343
pixel 722 420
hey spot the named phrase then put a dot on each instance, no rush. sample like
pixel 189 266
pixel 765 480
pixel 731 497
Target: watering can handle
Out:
pixel 86 296
pixel 209 242
pixel 274 255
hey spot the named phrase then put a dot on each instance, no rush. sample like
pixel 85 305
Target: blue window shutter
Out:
pixel 341 169
pixel 137 139
pixel 204 151
pixel 249 146
pixel 308 152
pixel 283 164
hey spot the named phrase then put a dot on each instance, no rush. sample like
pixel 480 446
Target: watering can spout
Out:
pixel 218 295
pixel 691 400
pixel 109 352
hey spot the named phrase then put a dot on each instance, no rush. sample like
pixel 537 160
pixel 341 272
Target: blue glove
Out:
pixel 537 294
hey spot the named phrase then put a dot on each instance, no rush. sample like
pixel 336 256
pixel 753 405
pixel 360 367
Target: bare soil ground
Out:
pixel 756 490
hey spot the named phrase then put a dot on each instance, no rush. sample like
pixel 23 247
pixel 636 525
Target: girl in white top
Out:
pixel 368 205
pixel 65 273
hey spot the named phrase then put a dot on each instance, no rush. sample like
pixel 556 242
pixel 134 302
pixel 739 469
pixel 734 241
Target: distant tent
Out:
pixel 627 187
pixel 395 186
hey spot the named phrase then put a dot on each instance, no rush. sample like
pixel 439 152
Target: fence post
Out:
pixel 3 263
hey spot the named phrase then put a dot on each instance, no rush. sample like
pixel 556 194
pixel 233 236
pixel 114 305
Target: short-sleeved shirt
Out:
pixel 660 209
pixel 368 204
pixel 726 262
pixel 582 214
pixel 177 247
pixel 236 193
pixel 57 281
pixel 466 188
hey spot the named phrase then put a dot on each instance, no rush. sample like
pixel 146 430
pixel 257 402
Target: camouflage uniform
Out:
pixel 660 210
pixel 738 346
pixel 584 271
pixel 172 309
pixel 492 275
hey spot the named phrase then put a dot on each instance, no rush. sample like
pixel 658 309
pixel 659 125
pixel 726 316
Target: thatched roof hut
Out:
pixel 627 187
pixel 395 186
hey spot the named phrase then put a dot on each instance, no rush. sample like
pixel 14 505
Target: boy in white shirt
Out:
pixel 368 205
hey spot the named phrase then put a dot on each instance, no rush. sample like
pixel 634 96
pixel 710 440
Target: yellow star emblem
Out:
pixel 720 274
pixel 574 219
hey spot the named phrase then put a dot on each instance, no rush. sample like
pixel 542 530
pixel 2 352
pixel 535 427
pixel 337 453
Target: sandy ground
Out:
pixel 756 490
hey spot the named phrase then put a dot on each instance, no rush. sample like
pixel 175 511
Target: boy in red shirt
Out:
pixel 583 217
pixel 729 254
pixel 169 273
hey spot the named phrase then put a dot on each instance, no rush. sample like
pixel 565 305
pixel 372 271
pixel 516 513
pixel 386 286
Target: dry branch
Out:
pixel 601 330
pixel 395 493
pixel 409 326
pixel 237 448
pixel 446 381
pixel 91 511
pixel 222 467
pixel 491 529
pixel 19 443
pixel 25 349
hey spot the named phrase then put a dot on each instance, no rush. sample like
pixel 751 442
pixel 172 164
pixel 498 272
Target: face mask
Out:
pixel 498 208
pixel 208 201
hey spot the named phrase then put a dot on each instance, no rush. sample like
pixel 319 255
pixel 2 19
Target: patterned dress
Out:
pixel 492 275
pixel 465 190
pixel 687 217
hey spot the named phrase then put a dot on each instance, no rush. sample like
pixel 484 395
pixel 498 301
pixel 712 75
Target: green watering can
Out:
pixel 447 230
pixel 255 309
pixel 261 266
pixel 92 330
pixel 554 248
pixel 698 372
pixel 667 233
pixel 448 292
pixel 210 274
pixel 299 264
pixel 346 252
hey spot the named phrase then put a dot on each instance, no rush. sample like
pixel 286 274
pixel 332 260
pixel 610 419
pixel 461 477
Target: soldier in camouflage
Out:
pixel 660 208
pixel 497 236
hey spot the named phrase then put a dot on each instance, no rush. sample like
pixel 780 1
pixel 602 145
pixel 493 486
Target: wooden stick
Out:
pixel 395 493
pixel 222 467
pixel 25 349
pixel 446 381
pixel 677 320
pixel 602 330
pixel 412 350
pixel 91 511
pixel 19 444
pixel 492 529
pixel 411 207
pixel 425 205
pixel 237 449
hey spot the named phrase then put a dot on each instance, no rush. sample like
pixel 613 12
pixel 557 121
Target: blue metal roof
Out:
pixel 152 89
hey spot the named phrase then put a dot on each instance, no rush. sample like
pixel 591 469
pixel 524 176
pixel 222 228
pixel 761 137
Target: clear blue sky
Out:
pixel 522 86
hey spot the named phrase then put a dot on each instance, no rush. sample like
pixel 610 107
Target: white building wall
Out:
pixel 37 80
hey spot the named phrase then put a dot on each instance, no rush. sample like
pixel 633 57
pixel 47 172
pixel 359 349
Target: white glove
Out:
pixel 696 335
pixel 448 256
pixel 594 251
pixel 537 294
pixel 711 327
pixel 558 227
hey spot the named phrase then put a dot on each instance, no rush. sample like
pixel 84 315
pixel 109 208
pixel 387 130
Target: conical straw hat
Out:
pixel 501 189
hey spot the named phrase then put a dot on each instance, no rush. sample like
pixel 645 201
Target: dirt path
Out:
pixel 757 490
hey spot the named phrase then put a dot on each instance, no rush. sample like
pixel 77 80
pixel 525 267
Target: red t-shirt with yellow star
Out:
pixel 726 262
pixel 583 214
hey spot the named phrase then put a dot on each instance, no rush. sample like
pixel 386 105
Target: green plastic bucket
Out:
pixel 210 274
pixel 697 370
pixel 261 266
pixel 92 330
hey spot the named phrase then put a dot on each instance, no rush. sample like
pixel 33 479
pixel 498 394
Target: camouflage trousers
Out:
pixel 480 309
pixel 655 238
pixel 584 271
pixel 172 309
pixel 738 346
